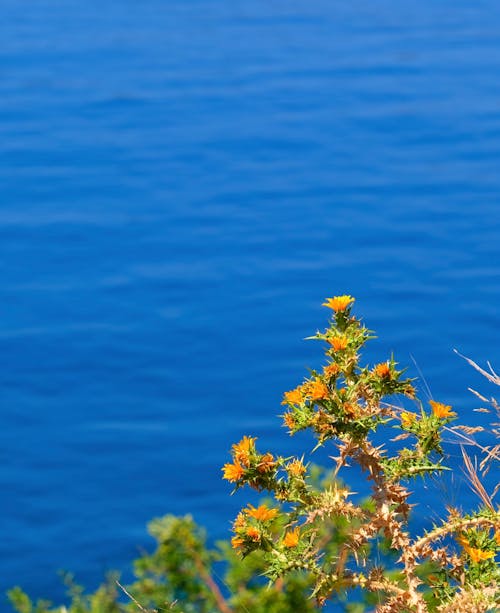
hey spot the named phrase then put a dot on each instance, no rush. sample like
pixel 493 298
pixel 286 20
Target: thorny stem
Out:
pixel 393 522
pixel 388 520
pixel 453 525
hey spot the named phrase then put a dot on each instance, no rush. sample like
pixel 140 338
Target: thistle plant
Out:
pixel 312 537
pixel 348 406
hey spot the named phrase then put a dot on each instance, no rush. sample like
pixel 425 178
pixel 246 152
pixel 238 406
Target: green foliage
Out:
pixel 103 600
pixel 183 575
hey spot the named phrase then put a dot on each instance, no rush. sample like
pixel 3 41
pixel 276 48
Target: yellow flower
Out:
pixel 233 472
pixel 441 410
pixel 478 555
pixel 407 419
pixel 338 303
pixel 239 522
pixel 295 396
pixel 266 463
pixel 237 542
pixel 243 450
pixel 253 534
pixel 291 538
pixel 296 468
pixel 318 390
pixel 261 513
pixel 382 370
pixel 409 390
pixel 338 342
pixel 281 495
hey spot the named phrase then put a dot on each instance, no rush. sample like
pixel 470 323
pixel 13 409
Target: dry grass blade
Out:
pixel 475 481
pixel 493 377
pixel 138 604
pixel 480 396
pixel 492 454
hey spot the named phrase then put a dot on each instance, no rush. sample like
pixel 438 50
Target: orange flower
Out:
pixel 497 537
pixel 261 513
pixel 338 342
pixel 318 390
pixel 291 538
pixel 266 463
pixel 289 420
pixel 237 542
pixel 382 370
pixel 463 540
pixel 233 472
pixel 243 450
pixel 296 468
pixel 475 554
pixel 295 396
pixel 322 423
pixel 331 370
pixel 338 303
pixel 407 419
pixel 351 409
pixel 253 534
pixel 441 410
pixel 478 555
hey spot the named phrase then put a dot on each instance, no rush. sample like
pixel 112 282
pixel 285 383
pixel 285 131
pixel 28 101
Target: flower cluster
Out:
pixel 343 399
pixel 249 466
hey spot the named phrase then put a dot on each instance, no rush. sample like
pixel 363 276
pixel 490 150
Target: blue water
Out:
pixel 183 183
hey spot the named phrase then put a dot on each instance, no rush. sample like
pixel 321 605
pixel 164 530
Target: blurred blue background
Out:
pixel 183 183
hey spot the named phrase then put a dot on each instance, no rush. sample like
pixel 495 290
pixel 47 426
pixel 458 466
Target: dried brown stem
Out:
pixel 212 586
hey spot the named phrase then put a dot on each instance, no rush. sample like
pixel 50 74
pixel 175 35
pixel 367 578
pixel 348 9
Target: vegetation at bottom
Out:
pixel 312 542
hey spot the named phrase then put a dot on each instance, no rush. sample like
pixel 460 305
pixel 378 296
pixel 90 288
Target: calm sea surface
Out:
pixel 182 185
